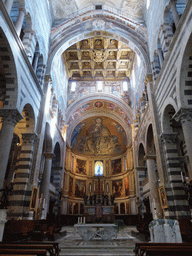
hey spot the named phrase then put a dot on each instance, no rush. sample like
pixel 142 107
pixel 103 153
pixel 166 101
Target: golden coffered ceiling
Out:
pixel 99 59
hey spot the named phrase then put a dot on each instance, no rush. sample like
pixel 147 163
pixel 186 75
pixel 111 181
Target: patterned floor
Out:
pixel 72 244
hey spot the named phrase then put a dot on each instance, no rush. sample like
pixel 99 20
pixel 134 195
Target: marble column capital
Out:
pixel 184 116
pixel 48 78
pixel 22 9
pixel 167 138
pixel 10 116
pixel 48 155
pixel 28 138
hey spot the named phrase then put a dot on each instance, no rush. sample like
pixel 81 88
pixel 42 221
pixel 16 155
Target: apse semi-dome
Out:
pixel 99 136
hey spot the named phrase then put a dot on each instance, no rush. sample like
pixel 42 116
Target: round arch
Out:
pixel 150 145
pixel 184 70
pixel 9 72
pixel 64 35
pixel 167 120
pixel 141 155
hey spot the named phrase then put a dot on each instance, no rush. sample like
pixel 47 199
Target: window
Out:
pixel 99 168
pixel 125 86
pixel 98 7
pixel 148 4
pixel 99 86
pixel 73 86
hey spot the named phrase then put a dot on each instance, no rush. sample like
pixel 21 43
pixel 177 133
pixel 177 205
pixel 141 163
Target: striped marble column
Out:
pixel 9 118
pixel 185 117
pixel 21 195
pixel 177 203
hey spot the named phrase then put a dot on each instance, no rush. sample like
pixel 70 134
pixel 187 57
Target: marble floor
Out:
pixel 71 244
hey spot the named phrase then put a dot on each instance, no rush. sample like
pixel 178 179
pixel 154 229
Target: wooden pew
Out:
pixel 52 246
pixel 37 252
pixel 141 246
pixel 47 247
pixel 167 251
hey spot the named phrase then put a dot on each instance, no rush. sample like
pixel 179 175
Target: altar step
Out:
pixel 96 251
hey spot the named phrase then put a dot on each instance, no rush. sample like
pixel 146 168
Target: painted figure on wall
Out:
pixel 80 188
pixel 117 186
pixel 98 140
pixel 76 132
pixel 126 186
pixel 116 166
pixel 81 166
pixel 98 168
pixel 70 191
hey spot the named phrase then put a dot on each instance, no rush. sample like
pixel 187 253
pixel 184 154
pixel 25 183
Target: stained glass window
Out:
pixel 98 168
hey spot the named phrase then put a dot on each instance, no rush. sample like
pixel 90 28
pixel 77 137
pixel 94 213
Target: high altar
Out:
pixel 99 209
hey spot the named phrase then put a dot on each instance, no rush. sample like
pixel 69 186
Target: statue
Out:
pixel 94 199
pixel 106 199
pixel 4 198
pixel 188 190
pixel 103 199
pixel 112 199
pixel 85 199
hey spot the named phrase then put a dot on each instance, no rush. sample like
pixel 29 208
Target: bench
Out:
pixel 37 252
pixel 168 251
pixel 140 248
pixel 51 247
pixel 47 247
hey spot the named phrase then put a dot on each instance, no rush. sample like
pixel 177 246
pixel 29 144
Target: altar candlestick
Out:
pixel 182 177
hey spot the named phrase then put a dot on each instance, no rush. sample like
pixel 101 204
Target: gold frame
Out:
pixel 34 199
pixel 163 197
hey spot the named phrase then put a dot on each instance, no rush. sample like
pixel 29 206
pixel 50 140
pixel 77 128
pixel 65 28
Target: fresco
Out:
pixel 70 191
pixel 116 166
pixel 126 186
pixel 99 136
pixel 117 188
pixel 99 105
pixel 80 188
pixel 76 132
pixel 81 166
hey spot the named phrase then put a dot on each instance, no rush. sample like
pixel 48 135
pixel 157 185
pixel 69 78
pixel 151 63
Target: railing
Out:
pixel 145 181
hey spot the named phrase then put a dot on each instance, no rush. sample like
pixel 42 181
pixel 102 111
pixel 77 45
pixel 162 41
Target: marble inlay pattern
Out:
pixel 73 244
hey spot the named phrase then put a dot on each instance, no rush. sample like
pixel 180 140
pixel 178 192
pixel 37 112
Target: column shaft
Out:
pixel 21 195
pixel 46 180
pixel 153 186
pixel 185 117
pixel 10 118
pixel 35 62
pixel 19 22
pixel 174 12
pixel 8 5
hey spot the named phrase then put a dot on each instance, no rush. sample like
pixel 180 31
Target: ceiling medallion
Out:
pixel 99 55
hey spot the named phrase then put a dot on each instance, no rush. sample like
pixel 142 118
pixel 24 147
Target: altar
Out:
pixel 102 230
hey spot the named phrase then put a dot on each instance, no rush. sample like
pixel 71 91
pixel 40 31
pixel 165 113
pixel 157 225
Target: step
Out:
pixel 96 251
